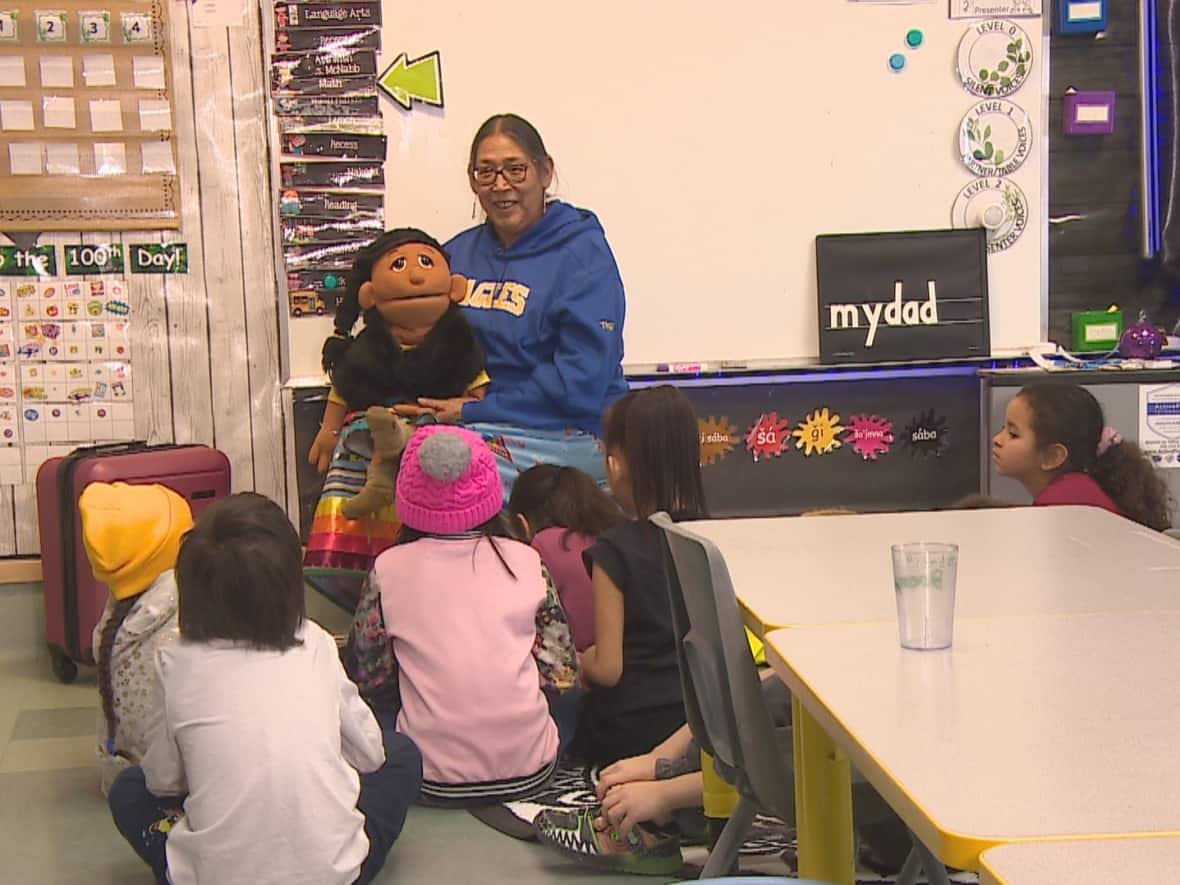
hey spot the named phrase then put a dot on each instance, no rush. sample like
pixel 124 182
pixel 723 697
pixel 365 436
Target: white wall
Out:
pixel 715 142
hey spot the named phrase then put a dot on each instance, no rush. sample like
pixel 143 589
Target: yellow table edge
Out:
pixel 831 793
pixel 988 875
pixel 754 623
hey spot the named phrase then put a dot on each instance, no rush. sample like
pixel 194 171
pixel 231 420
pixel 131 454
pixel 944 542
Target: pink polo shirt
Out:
pixel 1077 488
pixel 563 557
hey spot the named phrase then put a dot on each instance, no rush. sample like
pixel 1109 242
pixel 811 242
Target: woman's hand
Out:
pixel 410 410
pixel 447 411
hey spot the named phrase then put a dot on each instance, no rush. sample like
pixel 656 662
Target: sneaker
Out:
pixel 640 851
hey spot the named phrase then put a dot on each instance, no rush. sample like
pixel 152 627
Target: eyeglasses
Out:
pixel 514 173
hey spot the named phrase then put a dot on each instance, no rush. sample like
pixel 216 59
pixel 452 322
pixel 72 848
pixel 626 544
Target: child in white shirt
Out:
pixel 268 766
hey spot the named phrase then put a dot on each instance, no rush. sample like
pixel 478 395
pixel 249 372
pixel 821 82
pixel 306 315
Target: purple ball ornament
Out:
pixel 1142 340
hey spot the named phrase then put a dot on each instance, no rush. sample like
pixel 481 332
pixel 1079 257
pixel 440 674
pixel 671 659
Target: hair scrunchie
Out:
pixel 1110 437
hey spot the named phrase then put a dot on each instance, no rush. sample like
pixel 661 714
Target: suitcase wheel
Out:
pixel 64 667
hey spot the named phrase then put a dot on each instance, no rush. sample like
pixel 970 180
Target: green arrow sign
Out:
pixel 414 79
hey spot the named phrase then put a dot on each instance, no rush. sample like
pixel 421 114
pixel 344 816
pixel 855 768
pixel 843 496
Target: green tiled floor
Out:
pixel 54 825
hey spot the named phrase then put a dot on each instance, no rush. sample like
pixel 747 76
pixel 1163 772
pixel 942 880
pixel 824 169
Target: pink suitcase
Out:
pixel 74 600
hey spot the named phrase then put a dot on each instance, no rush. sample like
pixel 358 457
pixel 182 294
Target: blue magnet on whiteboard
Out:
pixel 914 38
pixel 1081 16
pixel 896 62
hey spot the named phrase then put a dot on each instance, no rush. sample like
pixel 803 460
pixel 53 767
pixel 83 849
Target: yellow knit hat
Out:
pixel 132 533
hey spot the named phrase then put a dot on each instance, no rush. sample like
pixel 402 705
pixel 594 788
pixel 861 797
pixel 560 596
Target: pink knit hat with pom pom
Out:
pixel 448 481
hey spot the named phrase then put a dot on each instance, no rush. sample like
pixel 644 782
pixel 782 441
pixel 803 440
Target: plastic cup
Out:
pixel 924 583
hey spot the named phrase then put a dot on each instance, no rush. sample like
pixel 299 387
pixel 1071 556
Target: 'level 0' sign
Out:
pixel 159 257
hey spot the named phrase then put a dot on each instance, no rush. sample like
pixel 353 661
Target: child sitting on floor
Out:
pixel 461 633
pixel 132 536
pixel 267 767
pixel 634 700
pixel 664 789
pixel 653 464
pixel 561 511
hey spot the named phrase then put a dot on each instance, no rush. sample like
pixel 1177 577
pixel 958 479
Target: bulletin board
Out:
pixel 86 123
pixel 65 358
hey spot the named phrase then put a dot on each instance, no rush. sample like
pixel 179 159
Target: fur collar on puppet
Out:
pixel 376 371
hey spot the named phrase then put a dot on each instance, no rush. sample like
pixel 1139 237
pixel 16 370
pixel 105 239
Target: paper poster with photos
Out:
pixel 86 119
pixel 65 368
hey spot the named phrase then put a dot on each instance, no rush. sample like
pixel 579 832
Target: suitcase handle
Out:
pixel 119 448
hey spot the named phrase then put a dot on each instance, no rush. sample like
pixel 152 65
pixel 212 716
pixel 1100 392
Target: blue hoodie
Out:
pixel 549 310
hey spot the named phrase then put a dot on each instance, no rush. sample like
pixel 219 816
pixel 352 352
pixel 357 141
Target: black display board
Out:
pixel 894 297
pixel 896 439
pixel 908 439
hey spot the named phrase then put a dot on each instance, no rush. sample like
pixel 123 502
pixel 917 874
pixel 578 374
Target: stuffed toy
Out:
pixel 414 343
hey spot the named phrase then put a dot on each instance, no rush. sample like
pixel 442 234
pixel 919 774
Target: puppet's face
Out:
pixel 411 287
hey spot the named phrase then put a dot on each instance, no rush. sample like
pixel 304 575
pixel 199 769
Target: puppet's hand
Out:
pixel 322 447
pixel 324 443
pixel 447 411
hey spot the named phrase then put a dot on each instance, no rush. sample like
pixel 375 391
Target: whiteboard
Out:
pixel 714 141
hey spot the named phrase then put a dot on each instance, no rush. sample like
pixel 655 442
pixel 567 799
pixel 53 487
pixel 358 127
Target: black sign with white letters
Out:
pixel 895 297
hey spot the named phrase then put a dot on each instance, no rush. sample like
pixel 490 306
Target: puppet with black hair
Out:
pixel 414 343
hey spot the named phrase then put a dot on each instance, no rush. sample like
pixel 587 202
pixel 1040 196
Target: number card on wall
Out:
pixel 86 125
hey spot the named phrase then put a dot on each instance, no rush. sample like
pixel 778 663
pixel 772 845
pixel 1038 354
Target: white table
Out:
pixel 1032 728
pixel 1086 862
pixel 791 571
